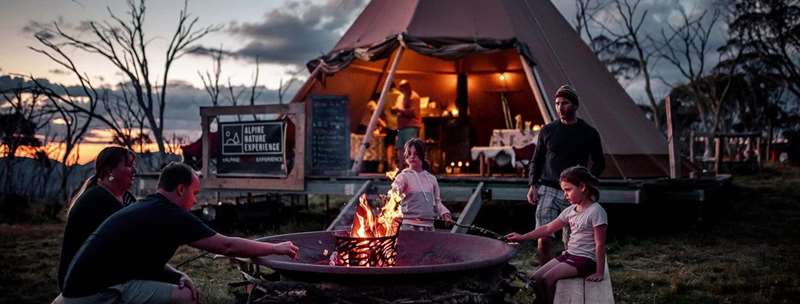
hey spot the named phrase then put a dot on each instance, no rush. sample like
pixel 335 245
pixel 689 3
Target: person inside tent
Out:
pixel 409 117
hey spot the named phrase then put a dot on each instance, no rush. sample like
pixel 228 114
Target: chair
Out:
pixel 523 156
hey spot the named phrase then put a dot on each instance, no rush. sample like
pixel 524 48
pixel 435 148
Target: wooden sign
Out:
pixel 256 148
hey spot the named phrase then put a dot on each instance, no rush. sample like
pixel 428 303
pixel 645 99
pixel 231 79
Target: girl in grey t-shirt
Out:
pixel 586 250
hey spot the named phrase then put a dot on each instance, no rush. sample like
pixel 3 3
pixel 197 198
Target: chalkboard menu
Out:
pixel 330 135
pixel 252 148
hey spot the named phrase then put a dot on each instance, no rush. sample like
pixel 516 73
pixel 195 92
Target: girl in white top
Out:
pixel 421 203
pixel 586 250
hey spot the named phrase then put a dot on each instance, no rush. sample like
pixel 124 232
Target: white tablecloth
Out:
pixel 492 152
pixel 512 137
pixel 505 140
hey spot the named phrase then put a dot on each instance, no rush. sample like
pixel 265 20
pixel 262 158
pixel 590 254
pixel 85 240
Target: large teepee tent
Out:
pixel 444 42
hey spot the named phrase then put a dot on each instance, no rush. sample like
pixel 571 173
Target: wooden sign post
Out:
pixel 672 141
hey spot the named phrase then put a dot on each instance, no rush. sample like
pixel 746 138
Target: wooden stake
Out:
pixel 674 147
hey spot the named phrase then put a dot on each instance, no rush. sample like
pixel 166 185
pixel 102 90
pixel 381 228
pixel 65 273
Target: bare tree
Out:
pixel 585 11
pixel 85 88
pixel 770 30
pixel 175 142
pixel 626 31
pixel 128 118
pixel 123 43
pixel 21 116
pixel 211 79
pixel 284 86
pixel 686 47
pixel 46 166
pixel 75 124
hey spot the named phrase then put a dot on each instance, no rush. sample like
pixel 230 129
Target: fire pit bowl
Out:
pixel 418 253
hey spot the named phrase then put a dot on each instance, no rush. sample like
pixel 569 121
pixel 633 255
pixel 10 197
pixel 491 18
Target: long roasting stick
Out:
pixel 470 227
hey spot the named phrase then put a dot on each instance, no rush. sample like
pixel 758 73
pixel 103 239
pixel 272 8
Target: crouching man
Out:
pixel 125 259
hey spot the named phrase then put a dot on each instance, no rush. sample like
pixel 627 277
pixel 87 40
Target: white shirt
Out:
pixel 581 225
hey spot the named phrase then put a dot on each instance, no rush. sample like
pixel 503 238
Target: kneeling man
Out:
pixel 125 259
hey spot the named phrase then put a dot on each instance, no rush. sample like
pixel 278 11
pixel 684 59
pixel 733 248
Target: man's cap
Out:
pixel 568 92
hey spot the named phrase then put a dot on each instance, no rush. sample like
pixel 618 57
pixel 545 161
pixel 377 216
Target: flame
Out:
pixel 391 214
pixel 364 220
pixel 392 174
pixel 367 225
pixel 373 238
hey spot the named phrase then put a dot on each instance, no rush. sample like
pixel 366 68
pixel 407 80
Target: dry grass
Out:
pixel 745 250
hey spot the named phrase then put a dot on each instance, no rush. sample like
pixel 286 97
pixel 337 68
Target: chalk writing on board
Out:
pixel 330 135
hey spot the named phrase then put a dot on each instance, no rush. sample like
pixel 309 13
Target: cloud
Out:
pixel 58 72
pixel 299 31
pixel 13 82
pixel 296 32
pixel 47 29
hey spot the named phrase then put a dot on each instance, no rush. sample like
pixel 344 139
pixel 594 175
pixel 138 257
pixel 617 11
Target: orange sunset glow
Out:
pixel 86 152
pixel 90 145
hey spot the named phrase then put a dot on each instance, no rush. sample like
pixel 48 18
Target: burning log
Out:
pixel 366 252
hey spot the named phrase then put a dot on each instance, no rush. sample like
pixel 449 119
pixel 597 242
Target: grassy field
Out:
pixel 745 250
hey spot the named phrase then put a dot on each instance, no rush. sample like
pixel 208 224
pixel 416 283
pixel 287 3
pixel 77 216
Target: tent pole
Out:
pixel 547 103
pixel 374 119
pixel 537 90
pixel 380 77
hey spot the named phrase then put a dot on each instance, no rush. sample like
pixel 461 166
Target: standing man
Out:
pixel 125 259
pixel 566 142
pixel 409 117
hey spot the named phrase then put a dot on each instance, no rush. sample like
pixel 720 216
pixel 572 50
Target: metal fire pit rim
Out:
pixel 346 235
pixel 280 265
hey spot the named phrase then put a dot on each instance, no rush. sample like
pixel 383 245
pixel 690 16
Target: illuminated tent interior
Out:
pixel 463 54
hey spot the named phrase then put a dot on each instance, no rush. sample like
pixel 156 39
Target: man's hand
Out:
pixel 186 282
pixel 533 196
pixel 514 237
pixel 287 248
pixel 595 277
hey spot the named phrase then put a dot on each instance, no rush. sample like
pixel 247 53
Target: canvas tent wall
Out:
pixel 483 39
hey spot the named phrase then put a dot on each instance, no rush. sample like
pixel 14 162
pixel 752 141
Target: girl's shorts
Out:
pixel 585 266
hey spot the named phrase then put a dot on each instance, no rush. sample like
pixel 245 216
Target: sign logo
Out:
pixel 254 148
pixel 257 138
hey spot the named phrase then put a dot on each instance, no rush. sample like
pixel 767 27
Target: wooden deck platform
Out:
pixel 475 189
pixel 580 291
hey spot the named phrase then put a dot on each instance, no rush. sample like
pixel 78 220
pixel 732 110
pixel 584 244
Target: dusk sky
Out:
pixel 17 18
pixel 284 34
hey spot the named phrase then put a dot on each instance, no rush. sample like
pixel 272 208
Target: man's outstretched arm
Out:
pixel 240 247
